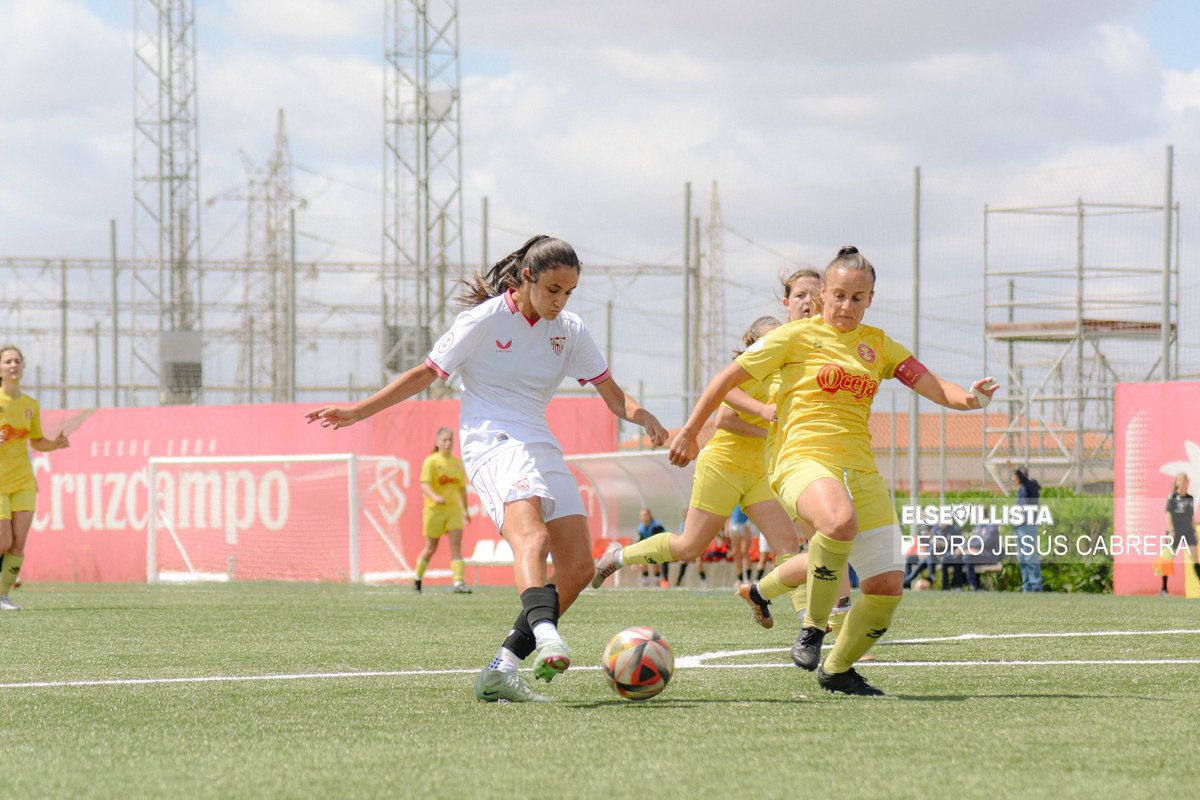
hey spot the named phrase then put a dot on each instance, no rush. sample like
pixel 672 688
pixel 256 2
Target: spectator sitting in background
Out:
pixel 648 527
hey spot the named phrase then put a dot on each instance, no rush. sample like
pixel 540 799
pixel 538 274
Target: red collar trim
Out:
pixel 512 308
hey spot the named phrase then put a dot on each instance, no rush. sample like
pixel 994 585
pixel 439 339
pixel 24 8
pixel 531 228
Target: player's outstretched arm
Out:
pixel 951 395
pixel 623 406
pixel 685 449
pixel 739 399
pixel 416 380
pixel 728 420
pixel 49 445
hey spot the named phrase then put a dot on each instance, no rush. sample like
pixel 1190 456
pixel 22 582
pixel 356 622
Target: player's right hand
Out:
pixel 684 449
pixel 332 417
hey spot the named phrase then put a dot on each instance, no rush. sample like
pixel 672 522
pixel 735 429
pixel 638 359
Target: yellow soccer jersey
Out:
pixel 828 380
pixel 742 454
pixel 447 477
pixel 20 421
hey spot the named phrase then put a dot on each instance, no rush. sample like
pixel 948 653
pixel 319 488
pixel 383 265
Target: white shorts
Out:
pixel 877 551
pixel 517 471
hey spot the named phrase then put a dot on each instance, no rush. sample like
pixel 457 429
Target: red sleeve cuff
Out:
pixel 441 373
pixel 910 371
pixel 601 378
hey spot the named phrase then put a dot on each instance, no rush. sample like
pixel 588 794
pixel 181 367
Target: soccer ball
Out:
pixel 638 663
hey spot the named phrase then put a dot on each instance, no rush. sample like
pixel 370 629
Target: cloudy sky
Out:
pixel 585 120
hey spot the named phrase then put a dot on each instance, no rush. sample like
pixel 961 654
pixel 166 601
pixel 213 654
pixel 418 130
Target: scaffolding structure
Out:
pixel 1065 332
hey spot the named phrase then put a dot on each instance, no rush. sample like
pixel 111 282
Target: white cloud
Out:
pixel 586 120
pixel 305 20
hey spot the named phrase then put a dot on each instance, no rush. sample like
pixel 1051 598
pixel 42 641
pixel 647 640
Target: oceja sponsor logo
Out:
pixel 835 378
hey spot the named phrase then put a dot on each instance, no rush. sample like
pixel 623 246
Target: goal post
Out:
pixel 318 517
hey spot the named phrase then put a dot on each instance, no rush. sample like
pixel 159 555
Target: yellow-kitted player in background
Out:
pixel 444 487
pixel 20 429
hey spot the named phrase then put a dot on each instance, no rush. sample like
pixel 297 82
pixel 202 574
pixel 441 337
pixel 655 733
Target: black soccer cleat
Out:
pixel 759 607
pixel 806 652
pixel 417 585
pixel 848 682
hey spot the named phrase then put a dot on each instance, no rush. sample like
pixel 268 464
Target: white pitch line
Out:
pixel 696 661
pixel 687 662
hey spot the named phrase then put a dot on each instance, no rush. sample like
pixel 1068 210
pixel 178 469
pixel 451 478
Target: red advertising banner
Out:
pixel 252 520
pixel 1157 436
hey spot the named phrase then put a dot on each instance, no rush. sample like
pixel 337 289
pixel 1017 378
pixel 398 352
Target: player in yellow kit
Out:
pixel 830 368
pixel 444 486
pixel 20 429
pixel 802 299
pixel 730 472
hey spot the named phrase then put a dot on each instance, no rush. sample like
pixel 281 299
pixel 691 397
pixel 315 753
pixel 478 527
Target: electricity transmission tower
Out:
pixel 422 203
pixel 268 292
pixel 167 277
pixel 714 354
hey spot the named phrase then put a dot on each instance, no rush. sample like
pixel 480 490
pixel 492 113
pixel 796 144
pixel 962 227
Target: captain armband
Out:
pixel 910 371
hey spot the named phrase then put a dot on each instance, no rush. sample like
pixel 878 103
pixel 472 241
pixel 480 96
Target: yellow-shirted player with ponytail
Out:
pixel 731 471
pixel 20 429
pixel 802 299
pixel 444 487
pixel 831 367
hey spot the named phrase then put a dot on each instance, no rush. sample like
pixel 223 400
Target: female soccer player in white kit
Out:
pixel 512 347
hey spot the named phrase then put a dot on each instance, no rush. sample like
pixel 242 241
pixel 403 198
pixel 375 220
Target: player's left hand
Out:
pixel 983 389
pixel 61 441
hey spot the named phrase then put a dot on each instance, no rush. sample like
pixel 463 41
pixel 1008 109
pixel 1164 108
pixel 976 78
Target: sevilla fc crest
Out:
pixel 557 343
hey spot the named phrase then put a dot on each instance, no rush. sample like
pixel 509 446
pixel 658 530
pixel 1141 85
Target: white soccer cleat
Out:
pixel 8 605
pixel 494 686
pixel 552 660
pixel 607 564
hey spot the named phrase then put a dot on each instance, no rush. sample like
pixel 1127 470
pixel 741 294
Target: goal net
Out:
pixel 330 517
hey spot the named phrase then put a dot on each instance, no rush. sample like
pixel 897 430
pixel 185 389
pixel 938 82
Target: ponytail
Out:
pixel 539 254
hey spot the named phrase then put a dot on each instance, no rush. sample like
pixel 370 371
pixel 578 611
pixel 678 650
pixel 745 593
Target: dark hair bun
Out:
pixel 847 250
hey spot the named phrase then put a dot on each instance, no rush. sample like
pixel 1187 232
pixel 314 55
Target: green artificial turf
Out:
pixel 754 728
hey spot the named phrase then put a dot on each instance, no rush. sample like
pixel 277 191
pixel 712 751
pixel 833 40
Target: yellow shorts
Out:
pixel 717 491
pixel 24 500
pixel 439 519
pixel 872 502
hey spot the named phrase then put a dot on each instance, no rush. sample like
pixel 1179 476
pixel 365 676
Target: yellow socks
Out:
pixel 866 622
pixel 772 585
pixel 458 569
pixel 826 562
pixel 10 568
pixel 422 565
pixel 799 595
pixel 655 550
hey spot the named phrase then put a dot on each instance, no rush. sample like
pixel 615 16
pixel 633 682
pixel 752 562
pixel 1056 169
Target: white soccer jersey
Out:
pixel 510 367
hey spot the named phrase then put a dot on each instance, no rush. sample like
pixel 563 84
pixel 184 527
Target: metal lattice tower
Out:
pixel 263 353
pixel 166 297
pixel 422 197
pixel 714 353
